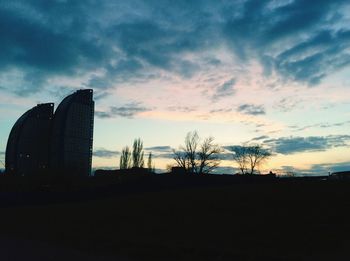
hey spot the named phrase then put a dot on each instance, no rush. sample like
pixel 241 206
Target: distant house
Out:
pixel 178 170
pixel 341 175
pixel 134 171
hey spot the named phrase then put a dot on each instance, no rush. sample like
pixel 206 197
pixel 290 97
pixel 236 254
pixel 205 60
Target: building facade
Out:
pixel 58 144
pixel 28 143
pixel 72 135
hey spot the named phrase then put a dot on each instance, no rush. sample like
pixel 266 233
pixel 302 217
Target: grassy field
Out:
pixel 273 221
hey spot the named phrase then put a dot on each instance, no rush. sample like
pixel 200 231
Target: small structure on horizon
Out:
pixel 178 171
pixel 340 175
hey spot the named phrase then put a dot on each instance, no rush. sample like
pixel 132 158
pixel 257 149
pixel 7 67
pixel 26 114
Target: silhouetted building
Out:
pixel 28 143
pixel 178 170
pixel 341 175
pixel 72 135
pixel 60 142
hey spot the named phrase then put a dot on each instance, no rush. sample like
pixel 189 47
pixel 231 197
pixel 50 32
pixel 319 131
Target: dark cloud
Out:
pixel 159 149
pixel 263 137
pixel 160 43
pixel 103 153
pixel 330 167
pixel 290 38
pixel 251 109
pixel 232 149
pixel 43 39
pixel 293 145
pixel 103 114
pixel 127 111
pixel 125 70
pixel 127 40
pixel 229 147
pixel 315 58
pixel 164 155
pixel 226 155
pixel 225 170
pixel 322 169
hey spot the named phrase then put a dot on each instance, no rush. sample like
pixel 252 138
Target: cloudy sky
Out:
pixel 274 72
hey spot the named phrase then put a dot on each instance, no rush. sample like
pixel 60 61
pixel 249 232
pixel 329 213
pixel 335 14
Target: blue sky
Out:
pixel 274 72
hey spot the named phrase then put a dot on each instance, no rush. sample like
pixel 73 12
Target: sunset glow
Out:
pixel 269 72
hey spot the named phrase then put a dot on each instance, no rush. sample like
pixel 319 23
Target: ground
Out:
pixel 267 221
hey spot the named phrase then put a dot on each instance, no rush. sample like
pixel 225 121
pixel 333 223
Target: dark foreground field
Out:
pixel 271 221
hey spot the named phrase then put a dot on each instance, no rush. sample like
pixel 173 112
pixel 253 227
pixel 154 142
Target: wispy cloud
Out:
pixel 161 149
pixel 127 111
pixel 224 90
pixel 319 125
pixel 330 167
pixel 182 108
pixel 222 110
pixel 225 170
pixel 291 145
pixel 251 109
pixel 322 169
pixel 263 137
pixel 127 40
pixel 104 153
pixel 287 104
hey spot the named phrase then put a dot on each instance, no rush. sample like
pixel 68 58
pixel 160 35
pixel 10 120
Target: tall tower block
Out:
pixel 28 143
pixel 72 135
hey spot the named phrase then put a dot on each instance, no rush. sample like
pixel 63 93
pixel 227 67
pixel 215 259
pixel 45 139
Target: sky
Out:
pixel 272 72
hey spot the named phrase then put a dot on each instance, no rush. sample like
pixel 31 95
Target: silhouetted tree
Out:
pixel 186 157
pixel 137 154
pixel 169 167
pixel 240 157
pixel 150 165
pixel 125 158
pixel 208 155
pixel 197 157
pixel 249 157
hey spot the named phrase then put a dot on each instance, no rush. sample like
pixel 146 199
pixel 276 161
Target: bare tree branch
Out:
pixel 125 158
pixel 137 154
pixel 250 157
pixel 197 157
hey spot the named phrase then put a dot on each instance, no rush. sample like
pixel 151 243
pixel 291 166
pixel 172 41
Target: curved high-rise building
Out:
pixel 28 143
pixel 72 135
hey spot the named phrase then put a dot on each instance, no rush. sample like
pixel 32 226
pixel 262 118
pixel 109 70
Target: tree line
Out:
pixel 198 156
pixel 135 158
